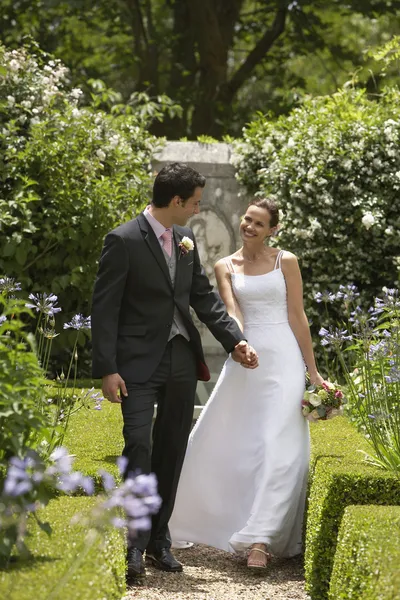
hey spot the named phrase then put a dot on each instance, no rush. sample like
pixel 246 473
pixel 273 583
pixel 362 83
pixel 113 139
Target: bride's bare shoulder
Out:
pixel 223 263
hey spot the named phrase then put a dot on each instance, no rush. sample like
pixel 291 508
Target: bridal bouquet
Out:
pixel 323 402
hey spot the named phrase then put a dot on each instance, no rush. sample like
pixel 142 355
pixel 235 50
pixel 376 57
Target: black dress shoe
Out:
pixel 164 560
pixel 135 564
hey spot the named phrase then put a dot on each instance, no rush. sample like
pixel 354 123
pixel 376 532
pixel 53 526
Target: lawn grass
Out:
pixel 95 438
pixel 63 566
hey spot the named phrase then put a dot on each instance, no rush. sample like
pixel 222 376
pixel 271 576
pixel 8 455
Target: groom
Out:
pixel 146 347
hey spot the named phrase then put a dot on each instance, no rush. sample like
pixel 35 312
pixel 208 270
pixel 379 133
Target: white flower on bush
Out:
pixel 14 65
pixel 102 155
pixel 368 220
pixel 114 141
pixel 76 93
pixel 75 113
pixel 10 100
pixel 389 230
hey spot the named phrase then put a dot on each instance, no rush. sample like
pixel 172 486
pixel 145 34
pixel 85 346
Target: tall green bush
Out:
pixel 68 175
pixel 333 165
pixel 22 418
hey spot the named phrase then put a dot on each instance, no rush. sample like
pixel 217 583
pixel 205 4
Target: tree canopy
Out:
pixel 221 60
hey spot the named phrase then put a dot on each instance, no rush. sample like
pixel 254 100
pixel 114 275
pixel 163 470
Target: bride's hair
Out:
pixel 270 206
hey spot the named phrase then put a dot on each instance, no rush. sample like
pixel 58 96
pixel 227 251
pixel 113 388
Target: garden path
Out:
pixel 211 574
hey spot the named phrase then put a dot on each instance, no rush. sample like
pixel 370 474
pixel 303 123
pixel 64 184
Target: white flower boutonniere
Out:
pixel 186 245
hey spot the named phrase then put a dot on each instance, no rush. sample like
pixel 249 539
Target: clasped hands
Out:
pixel 245 355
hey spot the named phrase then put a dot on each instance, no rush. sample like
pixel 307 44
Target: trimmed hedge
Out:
pixel 63 567
pixel 339 477
pixel 367 559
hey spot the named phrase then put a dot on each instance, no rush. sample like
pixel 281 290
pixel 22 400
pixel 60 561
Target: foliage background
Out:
pixel 221 60
pixel 334 168
pixel 68 176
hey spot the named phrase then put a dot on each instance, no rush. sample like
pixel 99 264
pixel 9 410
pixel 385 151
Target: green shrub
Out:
pixel 68 176
pixel 339 477
pixel 64 566
pixel 21 384
pixel 333 165
pixel 367 559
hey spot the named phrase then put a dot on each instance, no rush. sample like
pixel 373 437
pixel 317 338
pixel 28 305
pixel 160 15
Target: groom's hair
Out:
pixel 175 179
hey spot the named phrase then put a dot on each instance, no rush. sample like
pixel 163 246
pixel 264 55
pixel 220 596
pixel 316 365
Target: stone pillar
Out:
pixel 215 228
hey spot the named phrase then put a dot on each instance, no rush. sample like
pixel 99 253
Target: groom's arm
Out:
pixel 210 309
pixel 107 297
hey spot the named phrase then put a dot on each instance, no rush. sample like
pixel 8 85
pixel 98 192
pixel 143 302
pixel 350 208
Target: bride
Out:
pixel 244 478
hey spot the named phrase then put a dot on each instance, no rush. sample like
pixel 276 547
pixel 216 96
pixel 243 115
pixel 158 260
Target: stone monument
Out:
pixel 215 228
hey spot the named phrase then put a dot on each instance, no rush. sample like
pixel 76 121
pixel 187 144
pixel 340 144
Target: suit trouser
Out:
pixel 173 387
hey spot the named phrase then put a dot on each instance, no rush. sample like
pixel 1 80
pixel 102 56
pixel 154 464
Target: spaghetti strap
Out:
pixel 278 262
pixel 229 264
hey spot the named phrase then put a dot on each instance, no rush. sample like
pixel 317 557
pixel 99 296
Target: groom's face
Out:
pixel 184 210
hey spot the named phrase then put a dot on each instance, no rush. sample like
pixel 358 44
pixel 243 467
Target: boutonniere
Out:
pixel 185 246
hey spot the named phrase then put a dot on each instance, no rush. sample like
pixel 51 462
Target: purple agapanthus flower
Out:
pixel 325 296
pixel 390 300
pixel 347 292
pixel 333 336
pixel 3 319
pixel 78 322
pixel 394 375
pixel 379 349
pixel 138 498
pixel 44 303
pixel 8 285
pixel 362 319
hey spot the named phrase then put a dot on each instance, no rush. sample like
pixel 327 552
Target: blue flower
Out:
pixel 325 296
pixel 333 336
pixel 78 322
pixel 394 375
pixel 44 303
pixel 108 480
pixel 8 285
pixel 347 292
pixel 3 319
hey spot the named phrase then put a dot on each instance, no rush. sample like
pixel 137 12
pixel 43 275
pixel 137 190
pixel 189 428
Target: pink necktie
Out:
pixel 167 241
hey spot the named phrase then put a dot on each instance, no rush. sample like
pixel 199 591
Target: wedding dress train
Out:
pixel 245 472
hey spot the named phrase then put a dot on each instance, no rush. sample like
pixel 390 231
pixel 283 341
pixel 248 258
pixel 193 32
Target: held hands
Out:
pixel 110 386
pixel 245 355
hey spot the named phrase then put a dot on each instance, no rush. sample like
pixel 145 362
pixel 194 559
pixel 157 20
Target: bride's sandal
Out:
pixel 258 557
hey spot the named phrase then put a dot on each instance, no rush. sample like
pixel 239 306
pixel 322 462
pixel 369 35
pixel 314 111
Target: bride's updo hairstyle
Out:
pixel 270 206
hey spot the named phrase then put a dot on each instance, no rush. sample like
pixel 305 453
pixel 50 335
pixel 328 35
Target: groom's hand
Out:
pixel 110 386
pixel 245 355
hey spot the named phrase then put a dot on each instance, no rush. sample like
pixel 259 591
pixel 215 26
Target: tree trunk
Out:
pixel 216 93
pixel 182 75
pixel 213 23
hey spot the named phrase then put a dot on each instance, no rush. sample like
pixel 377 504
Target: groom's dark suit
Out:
pixel 133 308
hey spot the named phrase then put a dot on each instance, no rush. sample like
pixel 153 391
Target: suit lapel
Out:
pixel 154 245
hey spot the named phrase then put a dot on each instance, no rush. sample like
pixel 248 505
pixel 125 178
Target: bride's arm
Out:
pixel 297 317
pixel 224 283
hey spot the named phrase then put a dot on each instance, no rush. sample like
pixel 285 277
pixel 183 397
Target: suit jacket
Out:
pixel 134 299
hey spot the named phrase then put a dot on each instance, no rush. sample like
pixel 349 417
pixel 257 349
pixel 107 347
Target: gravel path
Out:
pixel 211 574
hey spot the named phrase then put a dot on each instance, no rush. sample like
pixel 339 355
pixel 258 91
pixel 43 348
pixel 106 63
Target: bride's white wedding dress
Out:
pixel 245 472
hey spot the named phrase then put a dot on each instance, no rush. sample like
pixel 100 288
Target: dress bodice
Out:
pixel 261 298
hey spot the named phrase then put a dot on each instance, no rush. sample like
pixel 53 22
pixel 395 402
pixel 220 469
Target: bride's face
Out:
pixel 255 225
